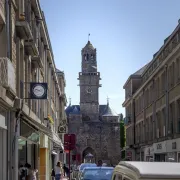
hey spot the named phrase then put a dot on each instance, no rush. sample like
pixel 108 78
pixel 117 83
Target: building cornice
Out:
pixel 162 48
pixel 162 65
pixel 132 76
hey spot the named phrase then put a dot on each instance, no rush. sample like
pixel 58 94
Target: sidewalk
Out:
pixel 64 178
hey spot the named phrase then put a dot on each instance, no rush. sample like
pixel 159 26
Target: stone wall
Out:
pixel 102 138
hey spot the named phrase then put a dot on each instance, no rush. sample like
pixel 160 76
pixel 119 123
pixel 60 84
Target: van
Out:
pixel 134 170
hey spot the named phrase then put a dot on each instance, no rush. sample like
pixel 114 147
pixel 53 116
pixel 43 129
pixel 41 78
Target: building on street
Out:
pixel 96 126
pixel 32 95
pixel 152 103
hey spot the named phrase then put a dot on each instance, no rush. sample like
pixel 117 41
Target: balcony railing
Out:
pixel 7 74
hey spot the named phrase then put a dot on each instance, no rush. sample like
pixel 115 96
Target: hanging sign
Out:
pixel 38 90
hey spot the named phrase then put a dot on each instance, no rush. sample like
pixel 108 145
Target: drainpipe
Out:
pixel 167 102
pixel 134 128
pixel 9 55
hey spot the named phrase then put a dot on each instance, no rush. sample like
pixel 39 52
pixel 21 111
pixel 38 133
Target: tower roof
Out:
pixel 89 46
pixel 104 110
pixel 109 112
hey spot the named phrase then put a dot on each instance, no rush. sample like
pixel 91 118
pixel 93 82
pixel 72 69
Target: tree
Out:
pixel 122 135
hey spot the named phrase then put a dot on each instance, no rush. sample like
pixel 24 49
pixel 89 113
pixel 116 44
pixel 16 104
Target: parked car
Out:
pixel 131 170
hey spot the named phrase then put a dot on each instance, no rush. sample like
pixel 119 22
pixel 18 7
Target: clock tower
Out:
pixel 89 79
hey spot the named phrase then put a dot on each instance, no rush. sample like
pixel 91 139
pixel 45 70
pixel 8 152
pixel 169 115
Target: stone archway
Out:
pixel 89 155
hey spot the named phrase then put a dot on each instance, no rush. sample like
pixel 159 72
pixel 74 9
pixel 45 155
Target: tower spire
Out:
pixel 107 100
pixel 88 36
pixel 69 101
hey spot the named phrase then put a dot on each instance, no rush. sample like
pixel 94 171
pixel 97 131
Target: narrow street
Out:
pixel 89 88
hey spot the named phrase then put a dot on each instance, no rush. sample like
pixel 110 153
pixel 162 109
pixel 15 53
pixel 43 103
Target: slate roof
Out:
pixel 89 46
pixel 109 112
pixel 104 110
pixel 140 71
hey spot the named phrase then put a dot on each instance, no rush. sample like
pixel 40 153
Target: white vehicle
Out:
pixel 134 170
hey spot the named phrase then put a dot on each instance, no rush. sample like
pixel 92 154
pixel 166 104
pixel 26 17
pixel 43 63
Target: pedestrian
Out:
pixel 22 172
pixel 99 164
pixel 31 173
pixel 66 170
pixel 58 171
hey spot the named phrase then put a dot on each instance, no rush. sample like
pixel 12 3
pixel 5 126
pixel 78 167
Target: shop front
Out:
pixel 160 151
pixel 130 154
pixel 28 145
pixel 50 147
pixel 149 153
pixel 173 150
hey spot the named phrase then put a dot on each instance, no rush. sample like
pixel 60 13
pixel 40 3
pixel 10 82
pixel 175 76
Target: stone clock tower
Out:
pixel 95 125
pixel 89 84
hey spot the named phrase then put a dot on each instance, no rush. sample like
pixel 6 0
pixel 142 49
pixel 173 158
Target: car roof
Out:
pixel 146 169
pixel 108 168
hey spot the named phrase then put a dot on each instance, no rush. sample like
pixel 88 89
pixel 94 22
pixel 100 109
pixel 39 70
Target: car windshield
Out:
pixel 86 165
pixel 97 174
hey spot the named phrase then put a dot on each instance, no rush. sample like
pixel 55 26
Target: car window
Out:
pixel 86 165
pixel 93 174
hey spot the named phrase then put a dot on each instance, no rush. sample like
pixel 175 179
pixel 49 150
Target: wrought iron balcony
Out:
pixel 7 74
pixel 2 12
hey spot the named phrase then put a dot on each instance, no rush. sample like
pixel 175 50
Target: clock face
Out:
pixel 38 90
pixel 89 90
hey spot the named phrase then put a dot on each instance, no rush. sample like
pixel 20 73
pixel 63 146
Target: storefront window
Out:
pixel 28 146
pixel 178 157
pixel 3 153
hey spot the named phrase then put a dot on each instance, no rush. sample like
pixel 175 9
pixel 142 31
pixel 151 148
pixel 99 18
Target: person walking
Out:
pixel 31 173
pixel 66 170
pixel 58 171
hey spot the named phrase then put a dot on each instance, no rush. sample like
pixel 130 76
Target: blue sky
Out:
pixel 126 34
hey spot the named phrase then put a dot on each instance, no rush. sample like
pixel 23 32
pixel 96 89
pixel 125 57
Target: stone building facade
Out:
pixel 29 128
pixel 152 103
pixel 96 126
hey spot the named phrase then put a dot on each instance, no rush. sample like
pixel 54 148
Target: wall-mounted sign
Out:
pixel 38 90
pixel 159 146
pixel 62 129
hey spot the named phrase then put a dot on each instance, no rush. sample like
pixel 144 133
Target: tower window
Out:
pixel 85 57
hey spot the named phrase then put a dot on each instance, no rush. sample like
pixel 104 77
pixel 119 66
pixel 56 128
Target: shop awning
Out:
pixel 55 138
pixel 52 135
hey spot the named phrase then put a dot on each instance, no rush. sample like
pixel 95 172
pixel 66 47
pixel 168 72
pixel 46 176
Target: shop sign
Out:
pixel 38 90
pixel 159 147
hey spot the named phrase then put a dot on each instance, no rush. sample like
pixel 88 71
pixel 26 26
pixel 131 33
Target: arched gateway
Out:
pixel 89 155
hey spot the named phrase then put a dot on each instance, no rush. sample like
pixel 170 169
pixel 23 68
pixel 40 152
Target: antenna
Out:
pixel 88 36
